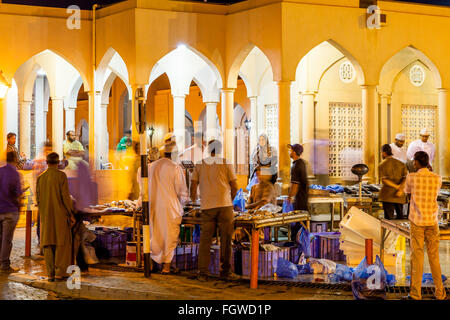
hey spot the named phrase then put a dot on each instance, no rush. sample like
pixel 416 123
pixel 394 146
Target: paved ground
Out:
pixel 30 283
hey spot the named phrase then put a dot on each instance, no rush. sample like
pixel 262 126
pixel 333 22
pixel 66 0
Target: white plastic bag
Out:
pixel 322 266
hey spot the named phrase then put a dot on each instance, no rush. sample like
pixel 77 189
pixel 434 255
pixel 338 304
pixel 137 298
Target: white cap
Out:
pixel 424 132
pixel 400 136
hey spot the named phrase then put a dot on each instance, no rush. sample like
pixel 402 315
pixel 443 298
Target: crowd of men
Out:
pixel 214 185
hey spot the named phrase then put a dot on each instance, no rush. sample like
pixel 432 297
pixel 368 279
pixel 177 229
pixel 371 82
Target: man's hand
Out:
pixel 399 193
pixel 23 155
pixel 72 221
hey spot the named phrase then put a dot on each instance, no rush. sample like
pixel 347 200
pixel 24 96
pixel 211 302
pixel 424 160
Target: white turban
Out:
pixel 424 132
pixel 400 136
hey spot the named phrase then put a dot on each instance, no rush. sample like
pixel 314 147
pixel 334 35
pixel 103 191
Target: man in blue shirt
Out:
pixel 10 191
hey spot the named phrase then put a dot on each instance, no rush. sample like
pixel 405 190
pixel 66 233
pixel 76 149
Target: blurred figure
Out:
pixel 73 150
pixel 167 195
pixel 10 191
pixel 195 152
pixel 422 144
pixel 263 192
pixel 424 186
pixel 320 158
pixel 11 147
pixel 298 192
pixel 153 155
pixel 263 155
pixel 135 164
pixel 392 174
pixel 348 157
pixel 125 142
pixel 398 148
pixel 56 211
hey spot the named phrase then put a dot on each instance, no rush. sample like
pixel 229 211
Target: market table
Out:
pixel 255 225
pixel 388 226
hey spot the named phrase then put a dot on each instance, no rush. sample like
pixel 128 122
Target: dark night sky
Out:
pixel 87 4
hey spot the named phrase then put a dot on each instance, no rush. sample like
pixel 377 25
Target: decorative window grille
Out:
pixel 271 123
pixel 417 75
pixel 346 72
pixel 417 117
pixel 346 138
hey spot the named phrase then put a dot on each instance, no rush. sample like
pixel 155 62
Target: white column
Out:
pixel 308 127
pixel 58 125
pixel 211 121
pixel 104 136
pixel 40 114
pixel 25 127
pixel 384 119
pixel 70 118
pixel 179 125
pixel 442 154
pixel 2 129
pixel 370 124
pixel 254 119
pixel 227 124
pixel 284 132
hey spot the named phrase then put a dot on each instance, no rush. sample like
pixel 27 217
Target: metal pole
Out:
pixel 369 251
pixel 28 234
pixel 144 178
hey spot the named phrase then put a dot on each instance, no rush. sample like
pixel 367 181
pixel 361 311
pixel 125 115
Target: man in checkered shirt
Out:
pixel 424 186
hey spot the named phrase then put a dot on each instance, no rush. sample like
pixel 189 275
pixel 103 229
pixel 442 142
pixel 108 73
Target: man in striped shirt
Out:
pixel 21 158
pixel 424 186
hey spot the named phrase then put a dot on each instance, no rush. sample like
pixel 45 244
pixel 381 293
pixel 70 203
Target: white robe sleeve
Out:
pixel 180 187
pixel 412 149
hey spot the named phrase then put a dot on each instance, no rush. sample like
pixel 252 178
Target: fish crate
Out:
pixel 214 265
pixel 267 262
pixel 294 254
pixel 185 257
pixel 325 245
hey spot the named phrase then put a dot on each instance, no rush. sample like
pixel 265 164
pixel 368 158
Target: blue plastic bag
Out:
pixel 286 269
pixel 335 188
pixel 252 182
pixel 342 273
pixel 287 206
pixel 239 200
pixel 369 281
pixel 304 242
pixel 317 187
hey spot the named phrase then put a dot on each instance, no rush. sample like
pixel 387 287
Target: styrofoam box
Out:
pixel 356 226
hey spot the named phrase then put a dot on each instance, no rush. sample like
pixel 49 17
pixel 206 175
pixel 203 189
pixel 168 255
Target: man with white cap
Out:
pixel 422 144
pixel 398 148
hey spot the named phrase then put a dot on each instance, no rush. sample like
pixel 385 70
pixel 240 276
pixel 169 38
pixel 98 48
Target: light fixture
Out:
pixel 248 124
pixel 41 72
pixel 181 46
pixel 151 131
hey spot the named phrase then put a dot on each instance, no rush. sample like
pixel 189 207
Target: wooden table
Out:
pixel 255 225
pixel 330 200
pixel 388 226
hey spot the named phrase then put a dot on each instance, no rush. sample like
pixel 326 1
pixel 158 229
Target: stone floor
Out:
pixel 30 283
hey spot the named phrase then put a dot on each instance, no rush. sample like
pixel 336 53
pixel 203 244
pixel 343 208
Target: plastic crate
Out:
pixel 267 262
pixel 112 240
pixel 214 265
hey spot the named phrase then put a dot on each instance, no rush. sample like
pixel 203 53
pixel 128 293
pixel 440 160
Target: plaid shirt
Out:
pixel 423 186
pixel 20 160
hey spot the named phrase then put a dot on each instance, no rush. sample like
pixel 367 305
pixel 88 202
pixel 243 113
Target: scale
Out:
pixel 360 170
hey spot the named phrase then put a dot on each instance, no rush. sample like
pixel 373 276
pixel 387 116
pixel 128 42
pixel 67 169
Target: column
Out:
pixel 179 124
pixel 2 126
pixel 227 123
pixel 58 125
pixel 284 99
pixel 94 106
pixel 371 155
pixel 308 125
pixel 40 114
pixel 385 129
pixel 211 121
pixel 254 119
pixel 25 127
pixel 70 118
pixel 104 136
pixel 443 143
pixel 134 114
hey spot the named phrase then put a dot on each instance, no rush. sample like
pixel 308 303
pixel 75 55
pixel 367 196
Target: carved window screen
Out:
pixel 271 123
pixel 345 132
pixel 417 117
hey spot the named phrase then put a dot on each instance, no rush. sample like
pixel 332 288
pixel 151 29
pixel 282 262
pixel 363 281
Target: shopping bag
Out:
pixel 369 281
pixel 304 242
pixel 287 206
pixel 342 273
pixel 286 269
pixel 239 200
